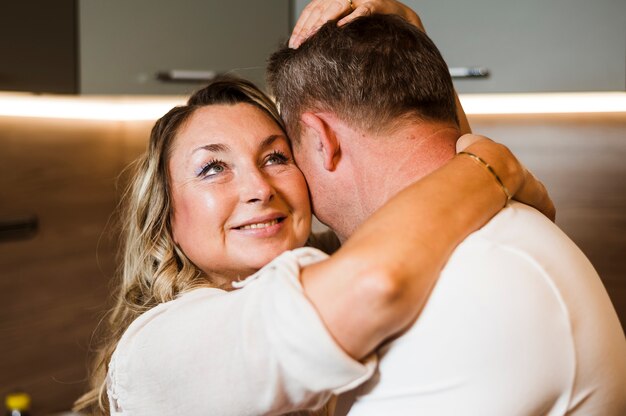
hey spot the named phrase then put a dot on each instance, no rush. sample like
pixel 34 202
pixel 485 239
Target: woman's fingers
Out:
pixel 467 140
pixel 534 193
pixel 363 10
pixel 368 7
pixel 309 15
pixel 314 15
pixel 318 12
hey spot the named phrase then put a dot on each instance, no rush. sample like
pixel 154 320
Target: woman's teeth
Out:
pixel 259 225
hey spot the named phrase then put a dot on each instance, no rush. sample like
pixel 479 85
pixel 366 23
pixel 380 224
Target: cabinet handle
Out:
pixel 469 72
pixel 18 228
pixel 185 76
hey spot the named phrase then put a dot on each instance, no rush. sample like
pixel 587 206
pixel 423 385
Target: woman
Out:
pixel 216 198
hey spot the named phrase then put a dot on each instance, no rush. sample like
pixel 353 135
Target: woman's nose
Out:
pixel 256 187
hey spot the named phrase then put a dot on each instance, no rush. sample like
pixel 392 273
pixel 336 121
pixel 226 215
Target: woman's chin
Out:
pixel 260 259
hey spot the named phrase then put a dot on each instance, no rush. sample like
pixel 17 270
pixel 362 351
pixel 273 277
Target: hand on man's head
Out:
pixel 318 12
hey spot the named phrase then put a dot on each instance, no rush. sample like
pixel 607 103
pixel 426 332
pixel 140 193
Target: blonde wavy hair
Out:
pixel 153 268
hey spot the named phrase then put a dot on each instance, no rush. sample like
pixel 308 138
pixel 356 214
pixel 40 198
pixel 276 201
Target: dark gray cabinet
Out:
pixel 533 45
pixel 124 43
pixel 529 46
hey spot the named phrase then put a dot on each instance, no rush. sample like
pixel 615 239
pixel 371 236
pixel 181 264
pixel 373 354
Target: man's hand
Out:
pixel 318 12
pixel 530 190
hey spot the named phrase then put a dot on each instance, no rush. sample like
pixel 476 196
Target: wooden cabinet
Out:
pixel 529 46
pixel 119 46
pixel 55 286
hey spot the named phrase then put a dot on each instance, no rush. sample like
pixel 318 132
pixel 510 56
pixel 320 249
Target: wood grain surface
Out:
pixel 54 287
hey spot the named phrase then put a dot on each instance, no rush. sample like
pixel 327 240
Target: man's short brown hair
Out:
pixel 371 72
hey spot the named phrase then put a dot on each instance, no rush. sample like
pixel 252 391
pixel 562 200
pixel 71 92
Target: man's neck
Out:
pixel 393 161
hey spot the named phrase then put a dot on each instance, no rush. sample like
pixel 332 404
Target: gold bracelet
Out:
pixel 491 170
pixel 351 4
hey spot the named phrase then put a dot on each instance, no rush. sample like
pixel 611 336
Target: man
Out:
pixel 519 322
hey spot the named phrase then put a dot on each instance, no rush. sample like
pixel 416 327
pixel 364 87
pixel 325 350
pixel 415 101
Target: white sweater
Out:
pixel 258 350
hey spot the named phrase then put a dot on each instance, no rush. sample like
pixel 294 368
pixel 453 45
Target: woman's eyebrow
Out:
pixel 214 147
pixel 270 140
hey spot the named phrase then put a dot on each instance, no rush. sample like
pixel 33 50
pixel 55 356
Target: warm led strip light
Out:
pixel 151 108
pixel 544 103
pixel 86 107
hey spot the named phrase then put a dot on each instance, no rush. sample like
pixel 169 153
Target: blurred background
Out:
pixel 82 82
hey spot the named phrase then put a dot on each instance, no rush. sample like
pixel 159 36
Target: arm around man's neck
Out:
pixel 376 284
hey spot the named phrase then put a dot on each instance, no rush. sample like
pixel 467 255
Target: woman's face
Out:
pixel 239 199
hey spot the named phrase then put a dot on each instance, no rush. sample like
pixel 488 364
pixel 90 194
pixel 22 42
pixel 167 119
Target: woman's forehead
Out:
pixel 221 128
pixel 229 123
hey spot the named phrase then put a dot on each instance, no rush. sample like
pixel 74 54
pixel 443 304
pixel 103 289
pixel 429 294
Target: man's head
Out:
pixel 369 73
pixel 370 76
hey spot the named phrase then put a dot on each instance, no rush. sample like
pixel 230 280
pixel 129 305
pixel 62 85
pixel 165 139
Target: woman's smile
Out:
pixel 271 223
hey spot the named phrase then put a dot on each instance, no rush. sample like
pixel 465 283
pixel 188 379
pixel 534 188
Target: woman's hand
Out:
pixel 526 188
pixel 318 12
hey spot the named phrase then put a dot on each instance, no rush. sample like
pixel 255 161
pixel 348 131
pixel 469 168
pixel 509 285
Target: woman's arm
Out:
pixel 376 284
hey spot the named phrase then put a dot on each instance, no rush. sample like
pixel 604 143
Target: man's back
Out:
pixel 518 324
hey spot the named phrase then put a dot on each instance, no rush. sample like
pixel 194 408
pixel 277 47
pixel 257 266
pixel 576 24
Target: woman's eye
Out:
pixel 211 169
pixel 276 158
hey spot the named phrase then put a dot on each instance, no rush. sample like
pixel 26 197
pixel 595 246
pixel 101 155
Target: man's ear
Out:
pixel 328 144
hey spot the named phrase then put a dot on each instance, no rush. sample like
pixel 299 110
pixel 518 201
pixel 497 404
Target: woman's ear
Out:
pixel 327 143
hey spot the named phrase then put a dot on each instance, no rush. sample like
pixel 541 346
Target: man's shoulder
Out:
pixel 522 230
pixel 518 256
pixel 529 274
pixel 517 224
pixel 521 242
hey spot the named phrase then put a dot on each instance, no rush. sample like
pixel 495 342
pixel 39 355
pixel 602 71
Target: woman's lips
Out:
pixel 262 227
pixel 258 225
